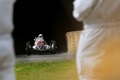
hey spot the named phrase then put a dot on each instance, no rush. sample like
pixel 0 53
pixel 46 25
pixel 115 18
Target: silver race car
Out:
pixel 40 45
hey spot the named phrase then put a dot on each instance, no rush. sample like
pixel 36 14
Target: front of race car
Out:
pixel 40 45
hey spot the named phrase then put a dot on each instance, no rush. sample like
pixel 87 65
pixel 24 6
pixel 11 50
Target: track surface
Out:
pixel 44 57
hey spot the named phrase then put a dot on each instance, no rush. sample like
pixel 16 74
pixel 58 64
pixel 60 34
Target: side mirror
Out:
pixel 35 38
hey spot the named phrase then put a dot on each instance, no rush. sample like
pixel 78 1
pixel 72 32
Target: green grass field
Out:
pixel 50 70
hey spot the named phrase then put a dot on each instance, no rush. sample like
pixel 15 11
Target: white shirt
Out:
pixel 6 16
pixel 97 12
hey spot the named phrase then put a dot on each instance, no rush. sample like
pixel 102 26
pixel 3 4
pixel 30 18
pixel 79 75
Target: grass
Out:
pixel 50 70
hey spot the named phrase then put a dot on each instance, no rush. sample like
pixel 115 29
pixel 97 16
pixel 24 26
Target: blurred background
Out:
pixel 52 18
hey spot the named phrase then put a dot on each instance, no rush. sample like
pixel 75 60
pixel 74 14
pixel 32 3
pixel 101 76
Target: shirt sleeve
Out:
pixel 82 8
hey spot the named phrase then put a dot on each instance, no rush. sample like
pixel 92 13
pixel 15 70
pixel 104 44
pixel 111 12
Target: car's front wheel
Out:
pixel 53 47
pixel 28 47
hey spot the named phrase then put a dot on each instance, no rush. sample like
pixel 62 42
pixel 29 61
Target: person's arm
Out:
pixel 82 8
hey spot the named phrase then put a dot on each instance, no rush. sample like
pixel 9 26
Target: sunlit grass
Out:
pixel 50 70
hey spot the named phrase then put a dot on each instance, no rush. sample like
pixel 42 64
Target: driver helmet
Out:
pixel 40 35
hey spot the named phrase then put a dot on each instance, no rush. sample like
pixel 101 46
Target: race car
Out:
pixel 40 45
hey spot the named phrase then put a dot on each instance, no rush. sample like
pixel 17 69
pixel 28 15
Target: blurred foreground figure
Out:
pixel 98 55
pixel 7 58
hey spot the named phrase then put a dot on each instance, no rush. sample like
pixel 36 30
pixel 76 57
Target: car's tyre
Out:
pixel 53 47
pixel 28 47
